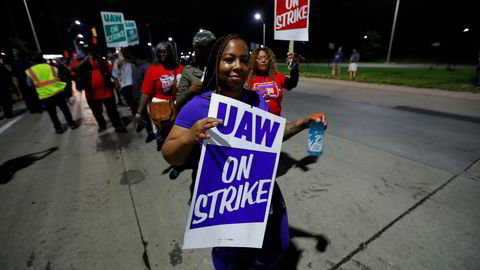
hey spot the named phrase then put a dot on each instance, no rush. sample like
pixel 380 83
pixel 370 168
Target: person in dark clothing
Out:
pixel 141 64
pixel 30 96
pixel 5 92
pixel 66 77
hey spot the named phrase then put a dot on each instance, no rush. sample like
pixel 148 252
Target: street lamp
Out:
pixel 466 30
pixel 170 39
pixel 81 42
pixel 149 44
pixel 77 22
pixel 80 35
pixel 201 30
pixel 259 17
pixel 365 37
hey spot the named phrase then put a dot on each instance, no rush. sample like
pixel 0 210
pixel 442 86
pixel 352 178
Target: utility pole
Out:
pixel 33 28
pixel 393 31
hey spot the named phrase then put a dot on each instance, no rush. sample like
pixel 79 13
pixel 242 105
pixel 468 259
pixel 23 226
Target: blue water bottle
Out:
pixel 316 133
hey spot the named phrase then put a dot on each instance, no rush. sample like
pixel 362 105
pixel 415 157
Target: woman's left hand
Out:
pixel 295 58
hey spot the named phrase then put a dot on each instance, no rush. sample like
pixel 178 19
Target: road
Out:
pixel 396 188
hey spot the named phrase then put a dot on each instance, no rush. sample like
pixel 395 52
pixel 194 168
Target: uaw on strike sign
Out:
pixel 235 178
pixel 291 19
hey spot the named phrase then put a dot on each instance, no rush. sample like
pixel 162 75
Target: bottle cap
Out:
pixel 318 116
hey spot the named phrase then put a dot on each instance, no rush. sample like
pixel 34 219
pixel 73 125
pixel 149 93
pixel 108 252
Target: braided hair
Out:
pixel 272 68
pixel 211 81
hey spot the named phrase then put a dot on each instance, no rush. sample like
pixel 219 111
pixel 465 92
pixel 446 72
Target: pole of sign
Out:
pixel 263 34
pixel 33 28
pixel 290 50
pixel 393 31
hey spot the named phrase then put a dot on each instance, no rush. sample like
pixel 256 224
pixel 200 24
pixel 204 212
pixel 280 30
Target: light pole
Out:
pixel 33 28
pixel 393 31
pixel 259 17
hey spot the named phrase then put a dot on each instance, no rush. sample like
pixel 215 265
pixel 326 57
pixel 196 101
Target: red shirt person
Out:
pixel 265 79
pixel 161 81
pixel 99 91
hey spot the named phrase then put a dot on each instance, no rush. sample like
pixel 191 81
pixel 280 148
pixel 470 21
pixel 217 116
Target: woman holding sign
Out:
pixel 226 73
pixel 265 79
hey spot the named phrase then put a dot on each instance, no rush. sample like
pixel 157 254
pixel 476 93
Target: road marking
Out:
pixel 9 124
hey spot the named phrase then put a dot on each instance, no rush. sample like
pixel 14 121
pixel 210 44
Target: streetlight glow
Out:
pixel 149 44
pixel 466 30
pixel 81 42
pixel 181 53
pixel 170 39
pixel 80 35
pixel 258 17
pixel 189 52
pixel 77 22
pixel 365 37
pixel 201 30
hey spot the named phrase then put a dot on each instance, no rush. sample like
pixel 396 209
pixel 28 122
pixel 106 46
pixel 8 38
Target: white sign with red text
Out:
pixel 291 19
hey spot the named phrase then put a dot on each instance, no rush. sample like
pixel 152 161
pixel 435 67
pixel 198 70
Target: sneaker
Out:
pixel 121 130
pixel 74 126
pixel 150 137
pixel 101 129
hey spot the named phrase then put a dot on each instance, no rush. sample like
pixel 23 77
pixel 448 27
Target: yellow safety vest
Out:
pixel 46 80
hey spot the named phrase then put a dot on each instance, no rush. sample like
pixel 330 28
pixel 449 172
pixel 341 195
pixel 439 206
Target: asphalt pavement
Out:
pixel 396 188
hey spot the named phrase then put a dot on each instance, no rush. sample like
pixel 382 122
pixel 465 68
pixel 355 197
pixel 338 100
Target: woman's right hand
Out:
pixel 198 132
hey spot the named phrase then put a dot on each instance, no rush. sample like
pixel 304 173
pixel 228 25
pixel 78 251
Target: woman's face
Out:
pixel 233 68
pixel 263 61
pixel 163 54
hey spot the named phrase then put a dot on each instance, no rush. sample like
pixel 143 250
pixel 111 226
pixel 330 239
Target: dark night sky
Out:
pixel 342 22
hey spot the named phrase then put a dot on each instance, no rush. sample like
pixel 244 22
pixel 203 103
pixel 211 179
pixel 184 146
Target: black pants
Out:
pixel 30 97
pixel 6 101
pixel 110 106
pixel 127 94
pixel 51 104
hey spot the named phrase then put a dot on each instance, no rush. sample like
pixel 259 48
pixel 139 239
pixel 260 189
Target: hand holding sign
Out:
pixel 198 132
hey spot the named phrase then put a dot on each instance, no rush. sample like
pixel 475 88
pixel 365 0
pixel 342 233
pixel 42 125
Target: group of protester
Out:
pixel 178 99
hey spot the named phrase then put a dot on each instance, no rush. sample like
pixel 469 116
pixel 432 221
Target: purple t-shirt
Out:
pixel 197 108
